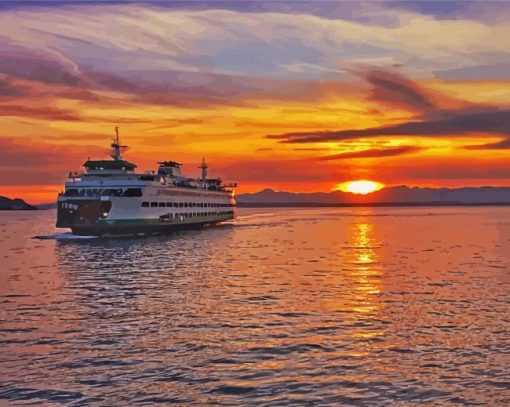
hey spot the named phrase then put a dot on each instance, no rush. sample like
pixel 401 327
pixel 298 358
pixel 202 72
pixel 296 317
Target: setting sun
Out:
pixel 362 187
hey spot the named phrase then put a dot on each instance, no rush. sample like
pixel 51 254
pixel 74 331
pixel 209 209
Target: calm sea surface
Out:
pixel 388 306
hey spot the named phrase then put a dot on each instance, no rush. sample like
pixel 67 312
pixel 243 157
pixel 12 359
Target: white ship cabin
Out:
pixel 104 168
pixel 170 168
pixel 117 177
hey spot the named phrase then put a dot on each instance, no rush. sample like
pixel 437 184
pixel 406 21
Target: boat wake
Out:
pixel 63 236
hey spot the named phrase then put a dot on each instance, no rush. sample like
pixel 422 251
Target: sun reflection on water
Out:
pixel 365 273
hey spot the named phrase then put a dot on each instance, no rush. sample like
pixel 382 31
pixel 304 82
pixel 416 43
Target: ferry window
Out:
pixel 71 192
pixel 162 204
pixel 145 204
pixel 131 192
pixel 181 204
pixel 185 204
pixel 176 204
pixel 169 204
pixel 154 204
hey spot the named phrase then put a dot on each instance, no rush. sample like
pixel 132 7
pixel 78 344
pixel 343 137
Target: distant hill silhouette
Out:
pixel 398 195
pixel 7 204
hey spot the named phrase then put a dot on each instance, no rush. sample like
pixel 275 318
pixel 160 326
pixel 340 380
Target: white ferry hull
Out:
pixel 158 210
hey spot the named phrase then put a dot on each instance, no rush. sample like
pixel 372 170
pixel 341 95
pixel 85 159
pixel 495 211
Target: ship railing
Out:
pixel 75 175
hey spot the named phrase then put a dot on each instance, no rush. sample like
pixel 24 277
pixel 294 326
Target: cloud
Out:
pixel 39 112
pixel 442 170
pixel 28 163
pixel 217 55
pixel 396 90
pixel 487 122
pixel 267 171
pixel 494 71
pixel 195 89
pixel 39 64
pixel 373 153
pixel 499 145
pixel 8 88
pixel 61 43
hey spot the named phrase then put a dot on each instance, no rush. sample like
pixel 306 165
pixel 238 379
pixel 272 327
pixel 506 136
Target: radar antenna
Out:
pixel 116 146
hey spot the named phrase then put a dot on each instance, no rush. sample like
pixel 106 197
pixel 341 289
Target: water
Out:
pixel 387 306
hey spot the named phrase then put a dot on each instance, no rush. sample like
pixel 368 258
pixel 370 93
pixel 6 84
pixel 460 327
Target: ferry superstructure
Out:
pixel 111 198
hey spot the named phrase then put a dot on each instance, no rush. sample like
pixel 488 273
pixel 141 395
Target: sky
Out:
pixel 289 95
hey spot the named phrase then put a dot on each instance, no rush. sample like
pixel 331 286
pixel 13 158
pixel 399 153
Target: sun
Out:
pixel 361 187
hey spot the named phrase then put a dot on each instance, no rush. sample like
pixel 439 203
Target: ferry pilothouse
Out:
pixel 110 198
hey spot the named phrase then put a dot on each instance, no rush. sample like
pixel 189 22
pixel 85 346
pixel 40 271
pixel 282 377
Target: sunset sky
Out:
pixel 297 96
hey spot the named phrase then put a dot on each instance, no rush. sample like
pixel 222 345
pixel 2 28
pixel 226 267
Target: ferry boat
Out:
pixel 111 198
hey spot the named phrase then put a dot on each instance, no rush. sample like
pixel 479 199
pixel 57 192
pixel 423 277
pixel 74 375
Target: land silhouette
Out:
pixel 7 204
pixel 391 196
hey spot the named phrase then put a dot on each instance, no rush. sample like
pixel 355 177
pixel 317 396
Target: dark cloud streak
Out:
pixel 394 89
pixel 490 123
pixel 373 153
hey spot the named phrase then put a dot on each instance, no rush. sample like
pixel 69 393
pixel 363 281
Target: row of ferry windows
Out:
pixel 183 205
pixel 125 192
pixel 194 214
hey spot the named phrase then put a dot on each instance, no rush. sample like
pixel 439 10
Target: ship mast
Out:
pixel 203 167
pixel 116 146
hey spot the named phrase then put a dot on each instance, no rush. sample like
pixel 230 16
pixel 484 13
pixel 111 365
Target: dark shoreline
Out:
pixel 363 204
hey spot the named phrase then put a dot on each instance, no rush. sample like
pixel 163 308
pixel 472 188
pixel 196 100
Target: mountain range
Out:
pixel 397 195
